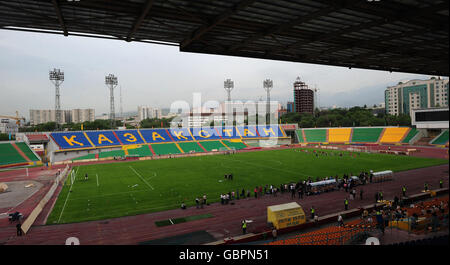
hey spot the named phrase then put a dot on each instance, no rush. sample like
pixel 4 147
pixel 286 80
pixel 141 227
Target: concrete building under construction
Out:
pixel 303 97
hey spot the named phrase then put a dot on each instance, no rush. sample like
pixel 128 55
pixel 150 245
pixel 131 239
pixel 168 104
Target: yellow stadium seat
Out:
pixel 394 135
pixel 339 135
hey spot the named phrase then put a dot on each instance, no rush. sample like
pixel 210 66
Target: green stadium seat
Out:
pixel 27 151
pixel 190 146
pixel 413 132
pixel 441 139
pixel 235 145
pixel 165 149
pixel 120 153
pixel 90 156
pixel 366 135
pixel 211 145
pixel 299 136
pixel 316 135
pixel 9 155
pixel 141 151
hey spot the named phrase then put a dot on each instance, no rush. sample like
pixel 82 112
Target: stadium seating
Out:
pixel 27 151
pixel 339 135
pixel 103 138
pixel 393 135
pixel 90 156
pixel 108 138
pixel 366 135
pixel 211 145
pixel 9 155
pixel 120 153
pixel 300 136
pixel 234 144
pixel 316 135
pixel 190 146
pixel 441 139
pixel 413 132
pixel 144 150
pixel 165 149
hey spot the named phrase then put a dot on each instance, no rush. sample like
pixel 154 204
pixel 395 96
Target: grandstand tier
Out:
pixel 27 151
pixel 140 151
pixel 441 139
pixel 366 135
pixel 393 135
pixel 108 138
pixel 165 149
pixel 315 135
pixel 191 146
pixel 213 145
pixel 300 136
pixel 120 153
pixel 234 144
pixel 339 135
pixel 9 155
pixel 413 132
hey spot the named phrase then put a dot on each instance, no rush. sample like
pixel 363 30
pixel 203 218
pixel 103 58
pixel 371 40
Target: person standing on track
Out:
pixel 244 227
pixel 404 191
pixel 346 204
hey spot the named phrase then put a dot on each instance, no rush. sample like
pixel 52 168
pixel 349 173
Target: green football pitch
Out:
pixel 130 188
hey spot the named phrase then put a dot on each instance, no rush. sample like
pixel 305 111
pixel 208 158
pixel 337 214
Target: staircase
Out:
pixel 424 141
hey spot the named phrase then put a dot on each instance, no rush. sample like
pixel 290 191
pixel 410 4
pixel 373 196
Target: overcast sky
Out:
pixel 157 75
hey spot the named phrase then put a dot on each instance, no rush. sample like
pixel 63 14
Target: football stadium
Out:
pixel 237 183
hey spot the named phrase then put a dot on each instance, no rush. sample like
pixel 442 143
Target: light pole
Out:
pixel 268 85
pixel 228 85
pixel 57 77
pixel 111 82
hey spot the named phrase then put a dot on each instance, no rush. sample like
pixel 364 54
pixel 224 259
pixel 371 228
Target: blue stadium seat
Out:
pixel 270 131
pixel 228 132
pixel 180 134
pixel 247 131
pixel 103 138
pixel 155 135
pixel 205 133
pixel 129 137
pixel 70 140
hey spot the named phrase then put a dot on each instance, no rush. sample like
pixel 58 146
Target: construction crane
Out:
pixel 17 118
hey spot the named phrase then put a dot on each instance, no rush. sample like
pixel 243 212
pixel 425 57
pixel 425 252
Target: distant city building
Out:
pixel 303 97
pixel 290 107
pixel 82 115
pixel 416 94
pixel 145 112
pixel 9 126
pixel 75 116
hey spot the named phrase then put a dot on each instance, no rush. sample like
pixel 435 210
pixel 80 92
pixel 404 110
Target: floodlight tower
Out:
pixel 228 85
pixel 111 82
pixel 268 85
pixel 57 77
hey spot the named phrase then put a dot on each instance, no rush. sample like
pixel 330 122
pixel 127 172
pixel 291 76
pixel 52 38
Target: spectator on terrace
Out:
pixel 204 198
pixel 256 192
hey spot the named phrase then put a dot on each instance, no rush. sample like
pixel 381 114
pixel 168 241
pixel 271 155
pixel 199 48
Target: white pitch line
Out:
pixel 141 178
pixel 68 194
pixel 170 221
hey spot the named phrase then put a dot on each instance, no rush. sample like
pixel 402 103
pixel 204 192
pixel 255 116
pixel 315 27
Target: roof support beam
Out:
pixel 334 5
pixel 60 17
pixel 140 19
pixel 196 34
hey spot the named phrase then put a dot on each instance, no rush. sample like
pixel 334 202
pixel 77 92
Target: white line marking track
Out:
pixel 142 178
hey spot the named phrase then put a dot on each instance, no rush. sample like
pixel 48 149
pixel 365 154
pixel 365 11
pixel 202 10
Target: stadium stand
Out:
pixel 27 151
pixel 165 149
pixel 228 132
pixel 71 140
pixel 393 135
pixel 270 131
pixel 9 155
pixel 339 135
pixel 129 137
pixel 190 146
pixel 366 135
pixel 113 153
pixel 441 139
pixel 234 144
pixel 248 131
pixel 141 151
pixel 180 134
pixel 90 156
pixel 156 135
pixel 299 134
pixel 212 145
pixel 102 138
pixel 315 135
pixel 332 235
pixel 413 132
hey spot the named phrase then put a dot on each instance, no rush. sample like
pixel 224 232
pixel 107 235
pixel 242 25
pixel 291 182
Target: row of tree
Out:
pixel 353 117
pixel 87 125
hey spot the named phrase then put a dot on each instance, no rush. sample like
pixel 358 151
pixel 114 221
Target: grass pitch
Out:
pixel 130 188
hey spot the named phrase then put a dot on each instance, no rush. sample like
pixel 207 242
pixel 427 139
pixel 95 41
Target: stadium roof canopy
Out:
pixel 392 35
